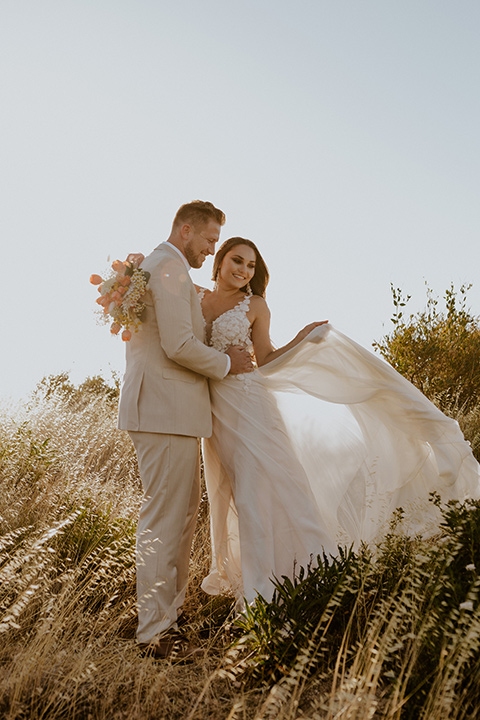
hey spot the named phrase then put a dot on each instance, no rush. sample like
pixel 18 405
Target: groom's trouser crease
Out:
pixel 169 468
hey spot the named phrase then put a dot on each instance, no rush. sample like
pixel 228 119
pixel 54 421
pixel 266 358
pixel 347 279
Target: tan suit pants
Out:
pixel 170 472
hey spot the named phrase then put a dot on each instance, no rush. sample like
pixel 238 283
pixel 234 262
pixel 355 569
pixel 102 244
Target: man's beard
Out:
pixel 195 261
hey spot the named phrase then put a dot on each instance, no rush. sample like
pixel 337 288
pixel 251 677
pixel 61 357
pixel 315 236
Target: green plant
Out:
pixel 77 397
pixel 399 623
pixel 437 350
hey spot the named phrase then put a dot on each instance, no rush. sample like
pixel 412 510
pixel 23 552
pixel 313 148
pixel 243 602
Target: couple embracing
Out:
pixel 190 373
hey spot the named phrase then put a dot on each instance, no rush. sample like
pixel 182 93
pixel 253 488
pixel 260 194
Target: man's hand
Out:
pixel 241 362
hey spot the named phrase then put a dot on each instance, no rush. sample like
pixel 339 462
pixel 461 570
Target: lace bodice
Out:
pixel 231 327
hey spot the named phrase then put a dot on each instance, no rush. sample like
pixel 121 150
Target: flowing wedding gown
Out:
pixel 281 495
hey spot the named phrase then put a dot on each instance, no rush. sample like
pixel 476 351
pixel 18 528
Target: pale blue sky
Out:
pixel 342 137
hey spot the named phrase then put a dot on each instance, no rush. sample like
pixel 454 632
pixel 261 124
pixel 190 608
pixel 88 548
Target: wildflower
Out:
pixel 126 335
pixel 467 605
pixel 470 567
pixel 95 279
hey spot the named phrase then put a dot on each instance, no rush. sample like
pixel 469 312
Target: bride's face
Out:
pixel 238 267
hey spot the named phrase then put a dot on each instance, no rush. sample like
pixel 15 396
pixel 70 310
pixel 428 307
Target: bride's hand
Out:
pixel 136 259
pixel 308 329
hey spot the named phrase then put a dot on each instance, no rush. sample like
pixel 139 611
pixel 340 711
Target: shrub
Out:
pixel 437 350
pixel 398 626
pixel 60 386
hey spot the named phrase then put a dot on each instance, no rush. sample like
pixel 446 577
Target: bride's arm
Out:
pixel 264 350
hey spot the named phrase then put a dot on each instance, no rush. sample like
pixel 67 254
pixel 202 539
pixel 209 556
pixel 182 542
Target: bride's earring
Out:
pixel 249 290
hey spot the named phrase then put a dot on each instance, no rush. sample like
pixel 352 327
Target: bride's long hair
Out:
pixel 259 281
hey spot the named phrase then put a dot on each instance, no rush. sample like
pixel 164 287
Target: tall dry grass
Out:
pixel 371 635
pixel 68 508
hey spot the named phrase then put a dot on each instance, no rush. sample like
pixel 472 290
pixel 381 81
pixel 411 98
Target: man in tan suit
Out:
pixel 165 407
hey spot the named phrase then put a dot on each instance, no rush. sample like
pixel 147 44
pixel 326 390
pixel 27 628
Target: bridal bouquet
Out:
pixel 121 297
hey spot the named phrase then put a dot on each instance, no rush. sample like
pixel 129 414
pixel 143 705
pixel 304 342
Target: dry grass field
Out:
pixel 389 633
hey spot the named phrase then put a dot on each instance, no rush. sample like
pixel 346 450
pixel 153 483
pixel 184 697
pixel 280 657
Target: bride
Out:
pixel 264 516
pixel 282 494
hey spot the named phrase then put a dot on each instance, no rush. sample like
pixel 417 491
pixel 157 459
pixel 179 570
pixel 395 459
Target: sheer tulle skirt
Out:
pixel 285 488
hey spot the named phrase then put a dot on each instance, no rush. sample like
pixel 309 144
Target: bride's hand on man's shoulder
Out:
pixel 308 329
pixel 135 258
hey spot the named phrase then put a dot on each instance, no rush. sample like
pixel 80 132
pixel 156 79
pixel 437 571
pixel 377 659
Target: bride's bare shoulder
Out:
pixel 202 290
pixel 259 305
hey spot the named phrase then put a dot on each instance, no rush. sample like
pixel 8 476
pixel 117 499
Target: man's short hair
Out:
pixel 198 212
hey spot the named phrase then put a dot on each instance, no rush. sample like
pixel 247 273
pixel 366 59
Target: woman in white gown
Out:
pixel 275 502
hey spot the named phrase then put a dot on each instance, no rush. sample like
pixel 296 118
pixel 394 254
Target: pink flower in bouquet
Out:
pixel 119 267
pixel 121 297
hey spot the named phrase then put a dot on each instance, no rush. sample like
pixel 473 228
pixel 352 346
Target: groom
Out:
pixel 165 407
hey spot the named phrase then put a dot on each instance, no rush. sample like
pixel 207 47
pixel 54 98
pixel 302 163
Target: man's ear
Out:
pixel 185 230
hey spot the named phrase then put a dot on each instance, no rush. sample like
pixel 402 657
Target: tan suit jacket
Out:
pixel 165 388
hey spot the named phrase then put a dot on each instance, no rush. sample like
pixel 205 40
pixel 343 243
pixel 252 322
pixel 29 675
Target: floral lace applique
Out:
pixel 201 294
pixel 232 328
